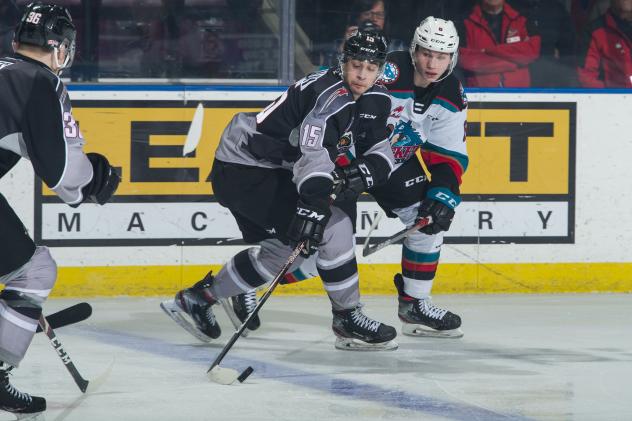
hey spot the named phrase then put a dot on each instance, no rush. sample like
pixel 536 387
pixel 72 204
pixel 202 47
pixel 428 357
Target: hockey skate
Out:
pixel 243 305
pixel 421 318
pixel 192 310
pixel 23 405
pixel 357 332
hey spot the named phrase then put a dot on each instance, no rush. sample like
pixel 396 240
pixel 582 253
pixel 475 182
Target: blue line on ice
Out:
pixel 318 381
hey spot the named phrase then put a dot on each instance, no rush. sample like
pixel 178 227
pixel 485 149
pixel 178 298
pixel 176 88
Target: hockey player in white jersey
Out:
pixel 428 112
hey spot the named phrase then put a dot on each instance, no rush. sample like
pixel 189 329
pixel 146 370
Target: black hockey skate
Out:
pixel 196 302
pixel 243 305
pixel 357 332
pixel 421 318
pixel 14 401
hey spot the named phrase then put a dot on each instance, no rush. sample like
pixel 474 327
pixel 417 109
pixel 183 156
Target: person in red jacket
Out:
pixel 607 61
pixel 498 46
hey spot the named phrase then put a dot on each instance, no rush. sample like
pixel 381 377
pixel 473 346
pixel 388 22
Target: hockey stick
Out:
pixel 376 221
pixel 65 358
pixel 223 375
pixel 368 250
pixel 68 316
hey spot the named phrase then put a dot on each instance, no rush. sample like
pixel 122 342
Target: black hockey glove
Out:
pixel 356 178
pixel 439 204
pixel 308 224
pixel 104 181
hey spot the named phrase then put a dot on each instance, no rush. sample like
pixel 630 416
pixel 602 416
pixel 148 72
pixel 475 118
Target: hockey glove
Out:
pixel 356 178
pixel 104 181
pixel 438 204
pixel 308 224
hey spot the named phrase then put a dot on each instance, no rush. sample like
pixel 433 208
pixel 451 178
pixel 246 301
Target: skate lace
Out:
pixel 250 301
pixel 430 310
pixel 210 316
pixel 363 321
pixel 13 391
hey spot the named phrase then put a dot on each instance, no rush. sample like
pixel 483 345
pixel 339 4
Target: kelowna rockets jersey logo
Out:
pixel 404 141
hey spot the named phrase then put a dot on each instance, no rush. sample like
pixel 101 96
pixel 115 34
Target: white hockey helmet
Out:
pixel 439 35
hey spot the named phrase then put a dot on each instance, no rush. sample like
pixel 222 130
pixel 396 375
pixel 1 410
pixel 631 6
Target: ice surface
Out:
pixel 553 357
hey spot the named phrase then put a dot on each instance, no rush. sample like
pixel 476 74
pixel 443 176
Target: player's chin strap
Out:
pixel 70 53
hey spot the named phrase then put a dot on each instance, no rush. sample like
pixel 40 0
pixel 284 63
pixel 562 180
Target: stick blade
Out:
pixel 69 315
pixel 223 375
pixel 195 131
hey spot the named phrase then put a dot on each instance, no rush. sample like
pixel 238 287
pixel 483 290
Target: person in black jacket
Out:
pixel 37 124
pixel 275 170
pixel 555 68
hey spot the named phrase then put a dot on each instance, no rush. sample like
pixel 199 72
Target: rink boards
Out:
pixel 544 198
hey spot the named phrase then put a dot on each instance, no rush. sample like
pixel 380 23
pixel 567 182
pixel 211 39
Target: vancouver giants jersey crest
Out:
pixel 37 124
pixel 432 119
pixel 309 127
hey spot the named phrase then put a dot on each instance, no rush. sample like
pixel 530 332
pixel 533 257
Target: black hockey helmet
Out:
pixel 366 45
pixel 48 26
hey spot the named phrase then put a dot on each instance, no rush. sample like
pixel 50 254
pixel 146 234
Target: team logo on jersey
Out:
pixel 404 140
pixel 345 142
pixel 391 72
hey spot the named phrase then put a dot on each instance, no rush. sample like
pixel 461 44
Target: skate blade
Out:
pixel 427 332
pixel 173 311
pixel 350 344
pixel 232 316
pixel 223 375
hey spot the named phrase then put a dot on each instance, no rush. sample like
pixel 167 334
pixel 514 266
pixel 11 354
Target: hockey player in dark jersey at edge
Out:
pixel 428 112
pixel 37 124
pixel 275 171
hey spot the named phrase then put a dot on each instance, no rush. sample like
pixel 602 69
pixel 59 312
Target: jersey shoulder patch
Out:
pixel 391 73
pixel 398 71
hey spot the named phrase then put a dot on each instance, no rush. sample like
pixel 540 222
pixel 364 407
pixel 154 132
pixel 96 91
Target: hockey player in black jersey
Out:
pixel 428 112
pixel 274 170
pixel 37 124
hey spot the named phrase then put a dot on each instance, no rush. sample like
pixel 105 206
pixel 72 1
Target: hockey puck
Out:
pixel 244 375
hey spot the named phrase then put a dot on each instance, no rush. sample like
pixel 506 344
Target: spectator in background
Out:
pixel 371 14
pixel 556 65
pixel 409 13
pixel 373 11
pixel 206 54
pixel 585 11
pixel 8 19
pixel 498 46
pixel 366 15
pixel 607 60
